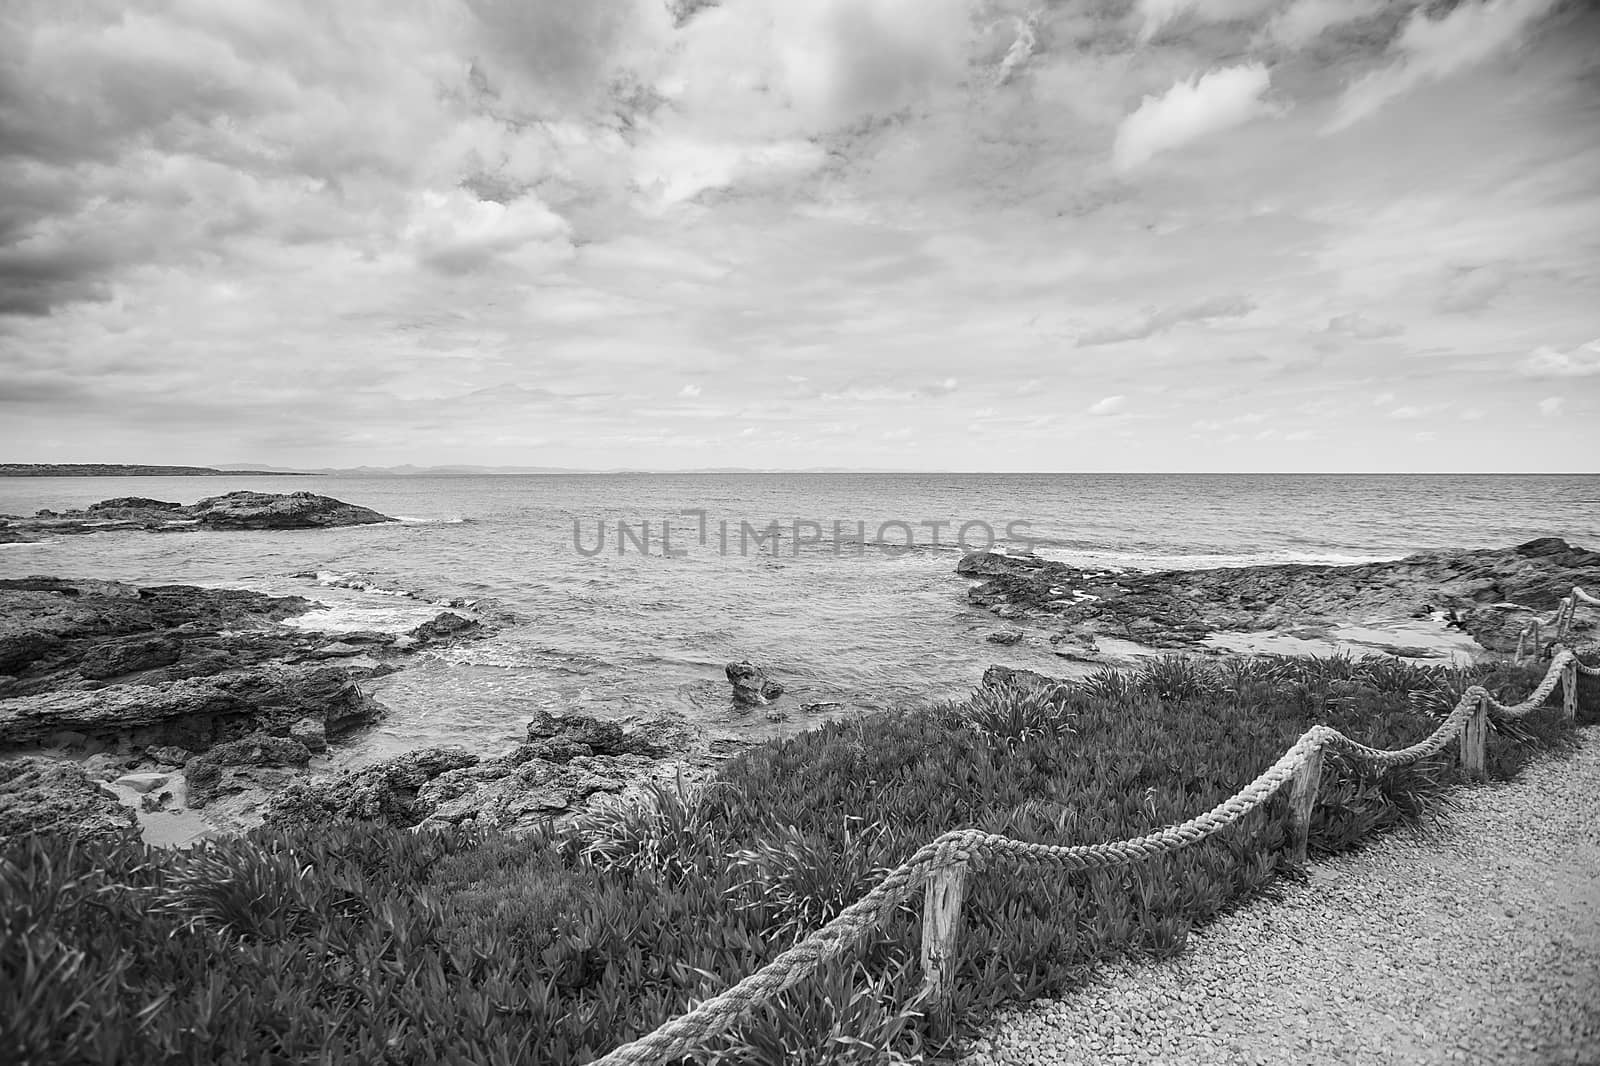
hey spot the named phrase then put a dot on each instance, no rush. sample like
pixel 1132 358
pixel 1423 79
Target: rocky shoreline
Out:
pixel 188 711
pixel 1487 595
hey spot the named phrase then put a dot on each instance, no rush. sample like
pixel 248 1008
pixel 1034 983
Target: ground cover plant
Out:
pixel 355 944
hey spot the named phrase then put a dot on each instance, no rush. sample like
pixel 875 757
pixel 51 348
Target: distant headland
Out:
pixel 125 470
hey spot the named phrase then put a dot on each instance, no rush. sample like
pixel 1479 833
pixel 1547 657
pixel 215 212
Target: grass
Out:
pixel 353 944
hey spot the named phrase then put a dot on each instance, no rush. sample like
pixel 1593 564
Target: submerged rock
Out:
pixel 751 685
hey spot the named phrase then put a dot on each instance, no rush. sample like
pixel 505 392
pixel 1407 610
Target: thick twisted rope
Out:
pixel 1566 609
pixel 685 1033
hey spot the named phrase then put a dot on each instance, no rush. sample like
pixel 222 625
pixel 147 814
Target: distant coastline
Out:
pixel 128 470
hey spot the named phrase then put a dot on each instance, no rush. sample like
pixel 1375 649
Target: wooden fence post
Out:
pixel 1569 690
pixel 1474 741
pixel 1302 798
pixel 941 927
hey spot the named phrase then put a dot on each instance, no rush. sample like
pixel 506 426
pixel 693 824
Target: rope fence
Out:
pixel 942 867
pixel 1529 638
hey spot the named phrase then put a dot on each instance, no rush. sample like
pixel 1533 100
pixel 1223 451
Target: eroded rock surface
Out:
pixel 566 761
pixel 39 795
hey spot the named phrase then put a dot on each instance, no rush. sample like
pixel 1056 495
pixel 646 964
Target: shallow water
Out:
pixel 852 621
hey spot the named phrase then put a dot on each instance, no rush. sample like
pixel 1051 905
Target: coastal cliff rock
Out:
pixel 1490 594
pixel 231 511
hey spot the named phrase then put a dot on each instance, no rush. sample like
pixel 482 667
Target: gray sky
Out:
pixel 925 234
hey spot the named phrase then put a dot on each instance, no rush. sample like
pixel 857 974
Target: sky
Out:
pixel 1084 235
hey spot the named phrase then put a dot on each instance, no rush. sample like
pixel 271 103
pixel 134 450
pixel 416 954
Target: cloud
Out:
pixel 1109 406
pixel 457 233
pixel 1551 406
pixel 1304 21
pixel 1156 15
pixel 689 392
pixel 1429 50
pixel 1580 362
pixel 1189 110
pixel 1160 321
pixel 845 59
pixel 1354 324
pixel 1473 288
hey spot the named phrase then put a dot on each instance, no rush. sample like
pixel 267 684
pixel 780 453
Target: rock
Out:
pixel 446 626
pixel 822 708
pixel 339 649
pixel 194 712
pixel 267 510
pixel 167 755
pixel 133 503
pixel 385 793
pixel 235 510
pixel 751 685
pixel 560 738
pixel 40 795
pixel 142 783
pixel 1484 590
pixel 993 564
pixel 216 772
pixel 514 798
pixel 129 656
pixel 997 676
pixel 312 732
pixel 1005 636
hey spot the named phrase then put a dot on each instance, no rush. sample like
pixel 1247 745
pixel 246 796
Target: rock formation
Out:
pixel 232 511
pixel 751 685
pixel 1490 594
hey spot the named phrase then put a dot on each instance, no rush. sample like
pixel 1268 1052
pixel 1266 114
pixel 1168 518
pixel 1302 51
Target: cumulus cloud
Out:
pixel 1160 321
pixel 1304 21
pixel 1110 405
pixel 1430 49
pixel 689 392
pixel 1551 406
pixel 456 233
pixel 1197 107
pixel 1580 362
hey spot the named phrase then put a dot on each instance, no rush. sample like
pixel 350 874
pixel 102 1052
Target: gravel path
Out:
pixel 1477 941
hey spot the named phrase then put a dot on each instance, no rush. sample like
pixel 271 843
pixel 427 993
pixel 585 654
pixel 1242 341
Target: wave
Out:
pixel 486 608
pixel 451 520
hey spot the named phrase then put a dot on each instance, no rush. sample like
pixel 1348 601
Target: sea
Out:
pixel 624 595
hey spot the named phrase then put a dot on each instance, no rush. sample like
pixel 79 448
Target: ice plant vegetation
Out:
pixel 350 943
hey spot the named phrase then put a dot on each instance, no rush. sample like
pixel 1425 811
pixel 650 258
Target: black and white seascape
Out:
pixel 514 514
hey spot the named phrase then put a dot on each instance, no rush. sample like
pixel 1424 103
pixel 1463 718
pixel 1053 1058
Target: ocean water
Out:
pixel 861 608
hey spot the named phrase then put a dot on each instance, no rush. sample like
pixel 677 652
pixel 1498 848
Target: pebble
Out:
pixel 1475 939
